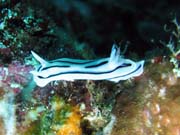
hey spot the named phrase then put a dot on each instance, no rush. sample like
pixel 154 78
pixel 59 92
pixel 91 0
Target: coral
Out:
pixel 60 119
pixel 93 97
pixel 151 106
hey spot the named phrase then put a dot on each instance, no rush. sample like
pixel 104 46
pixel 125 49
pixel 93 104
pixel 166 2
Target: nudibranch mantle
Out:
pixel 113 68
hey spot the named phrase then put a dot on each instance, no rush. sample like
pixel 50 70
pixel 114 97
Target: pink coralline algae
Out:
pixel 15 76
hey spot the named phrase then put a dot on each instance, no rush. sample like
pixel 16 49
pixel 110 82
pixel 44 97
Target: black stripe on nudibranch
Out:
pixel 126 65
pixel 125 74
pixel 72 62
pixel 97 65
pixel 55 66
pixel 39 68
pixel 80 72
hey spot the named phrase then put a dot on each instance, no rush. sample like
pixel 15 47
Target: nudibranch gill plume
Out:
pixel 113 68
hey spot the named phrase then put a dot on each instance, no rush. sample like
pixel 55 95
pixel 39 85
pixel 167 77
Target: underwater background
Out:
pixel 148 104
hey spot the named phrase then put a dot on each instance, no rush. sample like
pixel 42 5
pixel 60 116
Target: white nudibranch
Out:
pixel 113 68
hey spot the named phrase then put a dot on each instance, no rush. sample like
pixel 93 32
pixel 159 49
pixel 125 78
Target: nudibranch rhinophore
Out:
pixel 113 68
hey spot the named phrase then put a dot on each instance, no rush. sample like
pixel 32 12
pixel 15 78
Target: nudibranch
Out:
pixel 113 68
